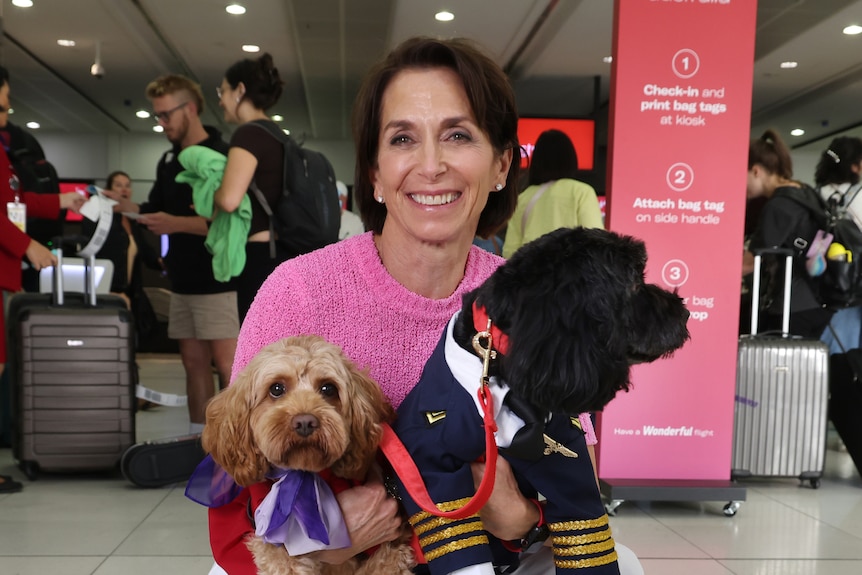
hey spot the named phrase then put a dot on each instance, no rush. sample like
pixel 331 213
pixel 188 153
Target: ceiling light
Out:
pixel 608 59
pixel 789 65
pixel 142 114
pixel 286 131
pixel 33 125
pixel 22 3
pixel 797 132
pixel 66 43
pixel 277 118
pixel 250 48
pixel 853 29
pixel 444 16
pixel 235 9
pixel 158 129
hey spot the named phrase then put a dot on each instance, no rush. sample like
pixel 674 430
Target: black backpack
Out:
pixel 840 284
pixel 308 215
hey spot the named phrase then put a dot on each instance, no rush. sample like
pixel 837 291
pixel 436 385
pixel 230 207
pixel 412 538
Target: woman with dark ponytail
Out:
pixel 249 88
pixel 781 223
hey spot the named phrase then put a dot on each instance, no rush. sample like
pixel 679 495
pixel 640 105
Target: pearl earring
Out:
pixel 498 187
pixel 379 199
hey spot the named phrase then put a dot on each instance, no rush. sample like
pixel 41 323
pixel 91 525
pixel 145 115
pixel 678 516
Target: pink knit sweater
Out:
pixel 345 295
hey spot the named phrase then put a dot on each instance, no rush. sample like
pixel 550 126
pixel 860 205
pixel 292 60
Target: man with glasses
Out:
pixel 203 312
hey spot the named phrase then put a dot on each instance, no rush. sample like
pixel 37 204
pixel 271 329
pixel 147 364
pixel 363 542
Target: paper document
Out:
pixel 93 207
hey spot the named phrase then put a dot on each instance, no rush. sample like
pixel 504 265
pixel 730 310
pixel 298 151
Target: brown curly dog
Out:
pixel 300 404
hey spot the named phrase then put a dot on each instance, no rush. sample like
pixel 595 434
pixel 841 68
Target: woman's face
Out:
pixel 435 166
pixel 122 185
pixel 4 104
pixel 756 183
pixel 227 100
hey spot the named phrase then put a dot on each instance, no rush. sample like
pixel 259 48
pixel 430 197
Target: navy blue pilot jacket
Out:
pixel 440 424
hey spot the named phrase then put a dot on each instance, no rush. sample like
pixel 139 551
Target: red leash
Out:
pixel 404 465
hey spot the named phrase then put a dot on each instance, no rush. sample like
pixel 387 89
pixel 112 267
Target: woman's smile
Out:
pixel 435 199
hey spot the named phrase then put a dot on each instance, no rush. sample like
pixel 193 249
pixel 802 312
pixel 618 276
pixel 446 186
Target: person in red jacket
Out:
pixel 14 242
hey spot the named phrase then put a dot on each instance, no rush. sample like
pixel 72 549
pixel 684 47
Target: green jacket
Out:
pixel 226 239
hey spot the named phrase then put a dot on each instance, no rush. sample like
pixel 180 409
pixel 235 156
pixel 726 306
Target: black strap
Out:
pixel 837 339
pixel 250 513
pixel 268 211
pixel 275 132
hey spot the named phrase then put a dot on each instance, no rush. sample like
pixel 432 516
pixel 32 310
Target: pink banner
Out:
pixel 679 133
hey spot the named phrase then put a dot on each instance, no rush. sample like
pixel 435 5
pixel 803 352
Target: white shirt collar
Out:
pixel 467 370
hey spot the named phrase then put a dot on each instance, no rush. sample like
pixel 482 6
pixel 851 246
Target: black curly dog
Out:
pixel 577 315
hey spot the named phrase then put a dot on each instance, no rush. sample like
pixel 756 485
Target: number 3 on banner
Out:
pixel 674 273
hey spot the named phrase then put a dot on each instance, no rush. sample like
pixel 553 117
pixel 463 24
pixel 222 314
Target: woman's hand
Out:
pixel 72 201
pixel 508 514
pixel 40 256
pixel 371 516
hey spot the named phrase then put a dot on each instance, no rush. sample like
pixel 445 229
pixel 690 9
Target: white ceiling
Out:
pixel 553 50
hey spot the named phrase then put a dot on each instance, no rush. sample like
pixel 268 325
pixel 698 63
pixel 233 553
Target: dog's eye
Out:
pixel 276 390
pixel 328 390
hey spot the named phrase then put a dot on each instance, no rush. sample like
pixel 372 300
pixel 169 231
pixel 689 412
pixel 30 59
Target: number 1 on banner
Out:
pixel 685 63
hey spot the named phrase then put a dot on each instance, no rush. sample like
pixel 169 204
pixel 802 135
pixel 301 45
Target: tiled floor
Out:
pixel 102 525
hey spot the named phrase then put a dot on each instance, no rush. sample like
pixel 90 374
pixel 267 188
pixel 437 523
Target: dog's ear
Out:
pixel 227 435
pixel 363 409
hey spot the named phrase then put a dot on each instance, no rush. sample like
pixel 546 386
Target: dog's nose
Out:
pixel 305 424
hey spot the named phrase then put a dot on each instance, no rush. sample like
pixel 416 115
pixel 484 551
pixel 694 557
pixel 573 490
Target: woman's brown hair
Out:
pixel 771 152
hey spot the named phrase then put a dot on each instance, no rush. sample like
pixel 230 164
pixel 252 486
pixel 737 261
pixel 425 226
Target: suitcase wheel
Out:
pixel 812 477
pixel 731 508
pixel 30 469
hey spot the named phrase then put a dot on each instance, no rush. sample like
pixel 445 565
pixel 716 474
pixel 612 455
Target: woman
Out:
pixel 15 245
pixel 128 250
pixel 435 127
pixel 838 179
pixel 249 88
pixel 782 220
pixel 554 198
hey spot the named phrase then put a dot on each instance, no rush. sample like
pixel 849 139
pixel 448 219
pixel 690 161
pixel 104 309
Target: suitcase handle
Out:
pixel 57 287
pixel 755 288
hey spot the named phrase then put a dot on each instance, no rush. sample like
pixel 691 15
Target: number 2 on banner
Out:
pixel 680 176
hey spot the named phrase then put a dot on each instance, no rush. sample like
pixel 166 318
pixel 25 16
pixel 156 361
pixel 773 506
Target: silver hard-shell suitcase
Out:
pixel 780 414
pixel 72 376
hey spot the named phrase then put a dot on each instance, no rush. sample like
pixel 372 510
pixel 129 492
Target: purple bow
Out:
pixel 302 513
pixel 210 485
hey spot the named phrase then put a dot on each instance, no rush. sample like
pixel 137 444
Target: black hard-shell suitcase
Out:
pixel 71 360
pixel 782 390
